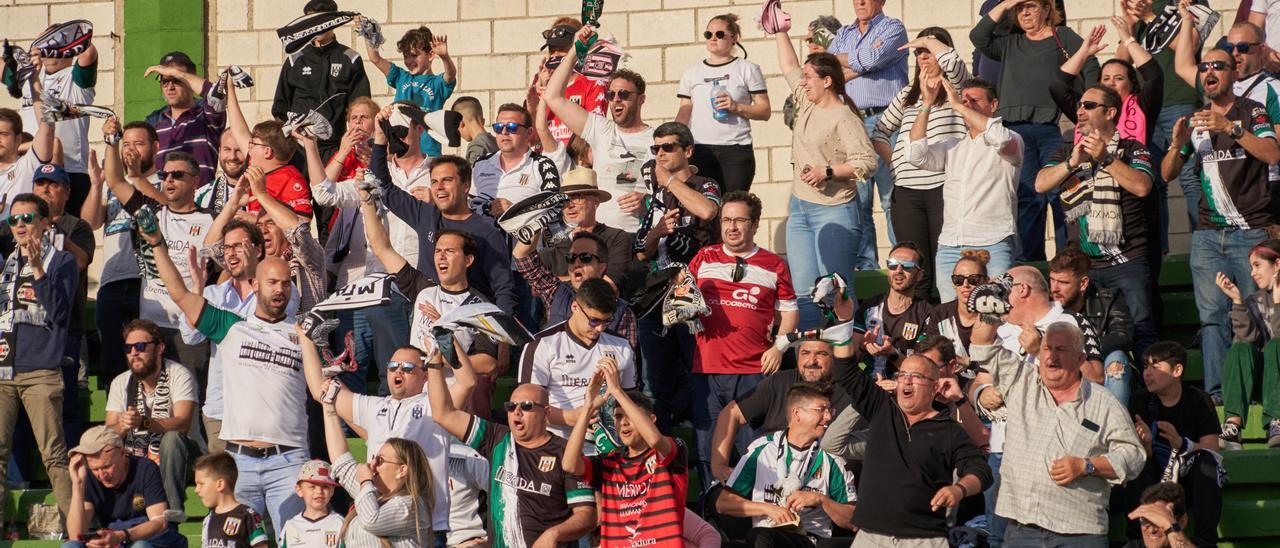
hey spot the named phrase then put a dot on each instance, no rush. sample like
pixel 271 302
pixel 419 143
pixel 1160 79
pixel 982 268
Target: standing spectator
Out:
pixel 894 320
pixel 517 171
pixel 122 493
pixel 18 168
pixel 185 123
pixel 152 408
pixel 979 195
pixel 468 485
pixel 954 319
pixel 749 292
pixel 39 284
pixel 1266 15
pixel 619 142
pixel 416 83
pixel 1029 63
pixel 584 91
pixel 1071 285
pixel 229 522
pixel 718 99
pixel 232 162
pixel 321 69
pixel 480 142
pixel 71 79
pixel 585 197
pixel 586 259
pixel 1254 333
pixel 822 31
pixel 874 65
pixel 918 193
pixel 830 154
pixel 1235 142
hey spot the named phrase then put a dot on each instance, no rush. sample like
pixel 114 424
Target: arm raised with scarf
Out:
pixel 191 303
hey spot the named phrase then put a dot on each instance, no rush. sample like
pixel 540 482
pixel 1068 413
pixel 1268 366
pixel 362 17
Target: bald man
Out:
pixel 264 388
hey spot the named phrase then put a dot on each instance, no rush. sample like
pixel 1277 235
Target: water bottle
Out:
pixel 720 114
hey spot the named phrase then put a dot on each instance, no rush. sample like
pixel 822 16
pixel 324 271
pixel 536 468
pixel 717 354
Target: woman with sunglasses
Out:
pixel 953 319
pixel 1029 61
pixel 830 153
pixel 719 97
pixel 917 196
pixel 1132 74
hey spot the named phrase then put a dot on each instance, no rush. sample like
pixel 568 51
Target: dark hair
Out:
pixel 978 257
pixel 597 295
pixel 642 401
pixel 1071 260
pixel 1267 249
pixel 982 84
pixel 1110 99
pixel 464 168
pixel 1165 351
pixel 419 39
pixel 1167 491
pixel 754 207
pixel 946 347
pixel 255 235
pixel 14 119
pixel 731 23
pixel 182 156
pixel 826 65
pixel 803 391
pixel 1130 72
pixel 602 248
pixel 675 129
pixel 138 124
pixel 908 245
pixel 469 247
pixel 318 6
pixel 829 22
pixel 512 107
pixel 914 95
pixel 147 326
pixel 630 76
pixel 42 207
pixel 219 466
pixel 468 106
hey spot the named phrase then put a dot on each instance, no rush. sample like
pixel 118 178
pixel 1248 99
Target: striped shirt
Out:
pixel 394 519
pixel 881 68
pixel 943 123
pixel 772 462
pixel 197 131
pixel 642 496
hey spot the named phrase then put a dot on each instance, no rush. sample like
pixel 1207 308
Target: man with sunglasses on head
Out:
pixel 893 322
pixel 581 90
pixel 516 171
pixel 185 123
pixel 1235 142
pixel 37 287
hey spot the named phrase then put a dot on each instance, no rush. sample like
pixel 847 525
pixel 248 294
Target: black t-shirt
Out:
pixel 1078 197
pixel 904 329
pixel 1193 416
pixel 691 233
pixel 765 406
pixel 127 502
pixel 1236 191
pixel 944 320
pixel 239 528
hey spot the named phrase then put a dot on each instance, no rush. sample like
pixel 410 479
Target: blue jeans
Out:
pixel 997 524
pixel 267 485
pixel 1190 183
pixel 1213 251
pixel 1023 536
pixel 711 393
pixel 821 239
pixel 1002 253
pixel 387 326
pixel 1039 141
pixel 881 181
pixel 1117 382
pixel 667 362
pixel 1133 281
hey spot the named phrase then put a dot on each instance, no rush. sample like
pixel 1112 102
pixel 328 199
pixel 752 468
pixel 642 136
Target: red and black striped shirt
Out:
pixel 642 497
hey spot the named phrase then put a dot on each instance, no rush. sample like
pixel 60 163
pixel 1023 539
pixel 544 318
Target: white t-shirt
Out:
pixel 300 532
pixel 561 362
pixel 468 482
pixel 182 387
pixel 117 239
pixel 740 78
pixel 409 418
pixel 74 134
pixel 17 178
pixel 444 302
pixel 182 233
pixel 618 157
pixel 1271 8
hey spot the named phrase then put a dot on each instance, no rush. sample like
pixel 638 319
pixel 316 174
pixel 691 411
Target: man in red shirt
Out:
pixel 748 290
pixel 270 149
pixel 584 91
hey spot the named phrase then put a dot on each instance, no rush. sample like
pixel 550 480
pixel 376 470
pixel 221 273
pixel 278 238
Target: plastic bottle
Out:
pixel 720 114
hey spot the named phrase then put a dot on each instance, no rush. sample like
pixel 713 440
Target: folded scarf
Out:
pixel 65 40
pixel 311 122
pixel 299 32
pixel 239 77
pixel 1164 28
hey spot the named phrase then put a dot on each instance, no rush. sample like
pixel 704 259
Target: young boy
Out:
pixel 416 82
pixel 269 149
pixel 229 523
pixel 318 526
pixel 480 142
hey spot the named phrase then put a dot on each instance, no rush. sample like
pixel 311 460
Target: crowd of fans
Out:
pixel 976 402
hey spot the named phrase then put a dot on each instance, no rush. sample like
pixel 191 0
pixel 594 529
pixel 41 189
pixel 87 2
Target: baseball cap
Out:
pixel 179 58
pixel 316 471
pixel 96 439
pixel 558 37
pixel 52 172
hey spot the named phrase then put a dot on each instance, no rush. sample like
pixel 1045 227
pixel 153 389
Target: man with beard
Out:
pixel 215 194
pixel 894 321
pixel 1071 286
pixel 152 408
pixel 184 123
pixel 1235 141
pixel 516 171
pixel 792 490
pixel 264 387
pixel 586 259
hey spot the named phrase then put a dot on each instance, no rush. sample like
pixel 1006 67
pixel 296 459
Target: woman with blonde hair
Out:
pixel 953 319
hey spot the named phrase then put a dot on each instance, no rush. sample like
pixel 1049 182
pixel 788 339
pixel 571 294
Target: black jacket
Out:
pixel 1106 309
pixel 314 74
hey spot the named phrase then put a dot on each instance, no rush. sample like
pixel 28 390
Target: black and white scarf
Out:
pixel 299 32
pixel 11 311
pixel 143 443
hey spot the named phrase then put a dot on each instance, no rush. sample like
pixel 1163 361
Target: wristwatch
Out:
pixel 1237 130
pixel 831 173
pixel 146 424
pixel 1175 528
pixel 1106 161
pixel 1089 469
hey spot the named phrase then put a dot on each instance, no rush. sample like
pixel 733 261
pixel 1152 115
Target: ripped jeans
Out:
pixel 1117 380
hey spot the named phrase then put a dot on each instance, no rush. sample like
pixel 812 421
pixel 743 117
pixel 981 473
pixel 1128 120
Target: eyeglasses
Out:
pixel 720 35
pixel 22 218
pixel 407 367
pixel 170 81
pixel 1090 105
pixel 1241 47
pixel 1215 65
pixel 665 147
pixel 557 32
pixel 819 410
pixel 525 406
pixel 239 247
pixel 256 144
pixel 621 94
pixel 137 347
pixel 897 264
pixel 179 175
pixel 974 280
pixel 912 377
pixel 509 127
pixel 584 257
pixel 378 460
pixel 739 269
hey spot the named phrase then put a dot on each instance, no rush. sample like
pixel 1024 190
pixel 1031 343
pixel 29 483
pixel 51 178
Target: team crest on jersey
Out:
pixel 231 526
pixel 331 538
pixel 195 230
pixel 306 71
pixel 334 69
pixel 416 413
pixel 910 330
pixel 546 464
pixel 293 338
pixel 651 464
pixel 4 349
pixel 524 179
pixel 138 502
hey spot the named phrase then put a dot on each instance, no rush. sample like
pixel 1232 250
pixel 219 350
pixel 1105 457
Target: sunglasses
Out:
pixel 22 218
pixel 665 147
pixel 584 257
pixel 1090 105
pixel 525 406
pixel 895 264
pixel 379 461
pixel 1215 65
pixel 739 269
pixel 179 175
pixel 407 367
pixel 596 322
pixel 507 128
pixel 622 95
pixel 912 377
pixel 169 81
pixel 706 35
pixel 1241 47
pixel 974 280
pixel 557 32
pixel 137 347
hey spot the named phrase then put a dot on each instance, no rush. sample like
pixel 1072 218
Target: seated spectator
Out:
pixel 585 255
pixel 953 319
pixel 480 142
pixel 793 491
pixel 1253 323
pixel 230 522
pixel 416 83
pixel 894 321
pixel 185 123
pixel 121 493
pixel 1105 308
pixel 517 171
pixel 1178 427
pixel 468 486
pixel 579 212
pixel 318 525
pixel 152 408
pixel 1162 517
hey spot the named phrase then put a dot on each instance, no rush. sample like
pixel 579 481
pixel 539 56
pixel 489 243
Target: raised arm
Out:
pixel 443 411
pixel 1091 47
pixel 440 45
pixel 787 59
pixel 1188 44
pixel 569 112
pixel 236 123
pixel 641 420
pixel 375 54
pixel 193 81
pixel 591 402
pixel 113 168
pixel 541 119
pixel 379 241
pixel 284 217
pixel 190 303
pixel 93 211
pixel 312 369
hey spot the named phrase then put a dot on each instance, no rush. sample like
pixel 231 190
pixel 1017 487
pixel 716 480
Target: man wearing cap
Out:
pixel 516 171
pixel 122 493
pixel 184 123
pixel 581 90
pixel 580 212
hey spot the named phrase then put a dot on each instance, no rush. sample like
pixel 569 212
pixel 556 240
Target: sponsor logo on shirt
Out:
pixel 264 353
pixel 740 298
pixel 506 477
pixel 569 381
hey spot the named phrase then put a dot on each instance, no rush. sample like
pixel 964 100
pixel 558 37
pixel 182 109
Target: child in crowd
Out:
pixel 269 149
pixel 416 82
pixel 480 142
pixel 229 524
pixel 318 526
